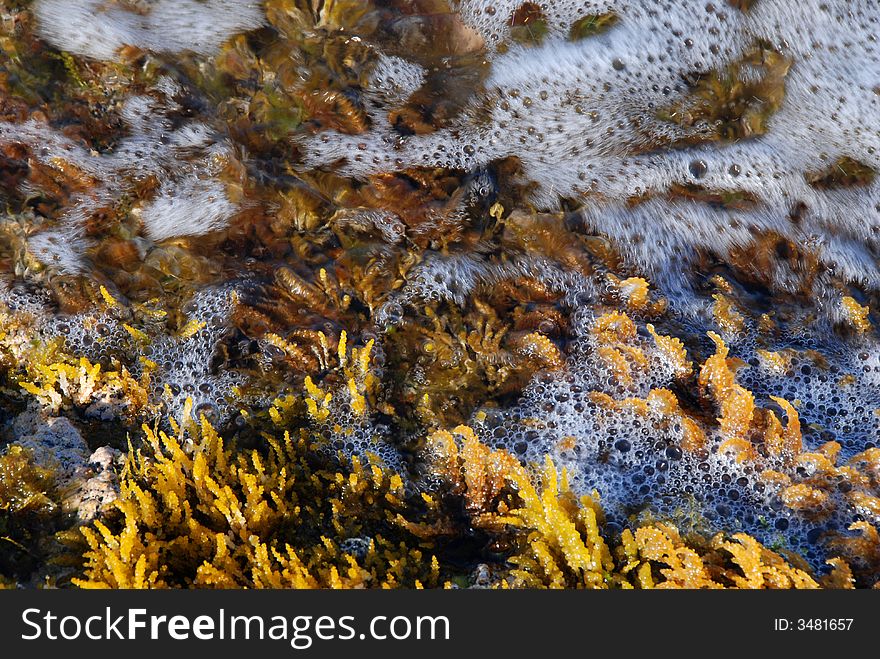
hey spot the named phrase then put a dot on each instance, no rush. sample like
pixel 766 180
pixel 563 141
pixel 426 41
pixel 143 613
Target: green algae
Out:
pixel 590 26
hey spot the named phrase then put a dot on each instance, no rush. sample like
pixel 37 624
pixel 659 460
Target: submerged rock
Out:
pixel 55 443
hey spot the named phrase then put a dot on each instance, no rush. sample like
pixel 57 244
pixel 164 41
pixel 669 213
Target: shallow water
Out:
pixel 376 221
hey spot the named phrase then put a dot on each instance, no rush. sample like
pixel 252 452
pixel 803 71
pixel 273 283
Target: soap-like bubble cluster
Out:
pixel 350 434
pixel 608 120
pixel 184 365
pixel 191 366
pixel 626 441
pixel 24 300
pixel 342 416
pixel 495 21
pixel 393 80
pixel 101 28
pixel 563 221
pixel 455 277
pixel 837 390
pixel 185 158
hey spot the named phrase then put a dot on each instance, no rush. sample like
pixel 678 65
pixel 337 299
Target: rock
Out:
pixel 55 443
pixel 482 577
pixel 95 485
pixel 87 480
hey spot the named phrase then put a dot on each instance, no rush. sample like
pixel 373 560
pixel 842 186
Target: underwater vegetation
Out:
pixel 439 294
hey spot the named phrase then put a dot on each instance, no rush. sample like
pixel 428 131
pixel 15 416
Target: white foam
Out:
pixel 580 115
pixel 187 208
pixel 186 159
pixel 100 28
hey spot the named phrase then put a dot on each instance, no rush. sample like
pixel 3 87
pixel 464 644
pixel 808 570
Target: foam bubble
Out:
pixel 100 28
pixel 586 120
pixel 186 159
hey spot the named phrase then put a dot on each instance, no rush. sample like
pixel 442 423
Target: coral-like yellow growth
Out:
pixel 785 442
pixel 109 299
pixel 284 409
pixel 197 514
pixel 300 356
pixel 662 545
pixel 856 314
pixel 467 304
pixel 664 403
pixel 636 292
pixel 360 382
pixel 615 334
pixel 24 486
pixel 862 550
pixel 477 472
pixel 739 563
pixel 136 334
pixel 667 404
pixel 58 384
pixel 674 351
pixel 356 367
pixel 317 401
pixel 774 361
pixel 28 505
pixel 737 404
pixel 565 548
pixel 192 327
pixel 559 537
pixel 614 327
pixel 542 350
pixel 803 497
pixel 728 319
pixel 496 212
pixel 618 345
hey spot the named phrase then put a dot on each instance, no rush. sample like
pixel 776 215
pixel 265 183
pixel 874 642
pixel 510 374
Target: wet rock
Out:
pixel 55 443
pixel 95 485
pixel 87 480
